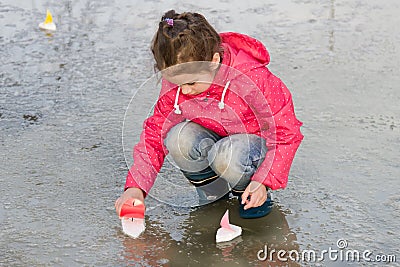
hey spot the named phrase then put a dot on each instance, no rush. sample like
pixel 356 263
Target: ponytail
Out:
pixel 183 38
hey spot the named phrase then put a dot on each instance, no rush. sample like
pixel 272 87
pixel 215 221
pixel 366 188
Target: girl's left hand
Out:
pixel 258 195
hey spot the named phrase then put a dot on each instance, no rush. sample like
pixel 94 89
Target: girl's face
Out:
pixel 194 83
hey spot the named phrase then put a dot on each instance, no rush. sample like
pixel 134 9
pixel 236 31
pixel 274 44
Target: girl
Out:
pixel 224 119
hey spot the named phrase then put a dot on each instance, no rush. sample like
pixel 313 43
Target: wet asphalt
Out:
pixel 63 98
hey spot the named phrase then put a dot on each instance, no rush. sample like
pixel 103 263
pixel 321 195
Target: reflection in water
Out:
pixel 149 249
pixel 332 32
pixel 198 246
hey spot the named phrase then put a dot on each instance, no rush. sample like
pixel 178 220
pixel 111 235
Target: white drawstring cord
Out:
pixel 176 106
pixel 221 103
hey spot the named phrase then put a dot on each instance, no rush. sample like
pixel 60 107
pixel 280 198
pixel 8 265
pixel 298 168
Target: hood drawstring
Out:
pixel 176 106
pixel 221 104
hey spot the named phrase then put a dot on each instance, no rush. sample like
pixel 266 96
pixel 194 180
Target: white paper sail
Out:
pixel 132 217
pixel 228 231
pixel 133 226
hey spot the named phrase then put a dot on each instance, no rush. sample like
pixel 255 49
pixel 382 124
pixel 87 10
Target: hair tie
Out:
pixel 169 21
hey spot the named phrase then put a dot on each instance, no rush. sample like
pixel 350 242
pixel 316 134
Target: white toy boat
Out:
pixel 133 226
pixel 132 217
pixel 228 231
pixel 48 24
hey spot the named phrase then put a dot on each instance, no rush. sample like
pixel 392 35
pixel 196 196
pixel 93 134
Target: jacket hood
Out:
pixel 243 52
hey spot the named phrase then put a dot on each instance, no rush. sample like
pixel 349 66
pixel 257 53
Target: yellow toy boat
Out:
pixel 48 24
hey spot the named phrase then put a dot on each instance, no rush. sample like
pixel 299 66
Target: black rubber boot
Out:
pixel 256 212
pixel 209 186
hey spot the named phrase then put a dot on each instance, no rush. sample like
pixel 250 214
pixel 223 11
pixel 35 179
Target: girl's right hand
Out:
pixel 131 192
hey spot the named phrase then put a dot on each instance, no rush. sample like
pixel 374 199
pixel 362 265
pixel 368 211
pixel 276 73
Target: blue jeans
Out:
pixel 205 158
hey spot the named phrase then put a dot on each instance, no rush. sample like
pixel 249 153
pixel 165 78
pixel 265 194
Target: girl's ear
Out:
pixel 215 61
pixel 216 58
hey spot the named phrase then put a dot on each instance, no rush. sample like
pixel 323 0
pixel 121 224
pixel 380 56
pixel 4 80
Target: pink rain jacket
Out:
pixel 245 97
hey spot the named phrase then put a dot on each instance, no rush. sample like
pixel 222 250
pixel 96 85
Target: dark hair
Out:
pixel 188 38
